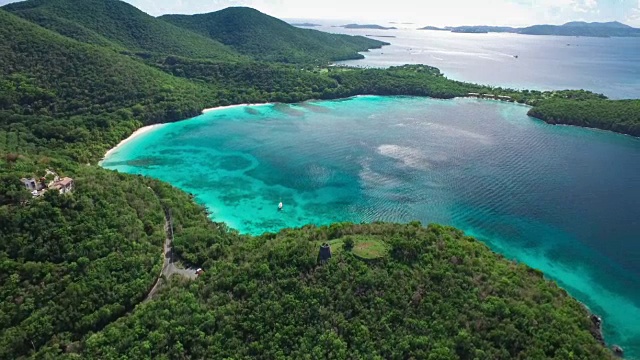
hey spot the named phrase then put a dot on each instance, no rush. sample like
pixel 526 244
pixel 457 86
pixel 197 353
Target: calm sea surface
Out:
pixel 605 65
pixel 562 199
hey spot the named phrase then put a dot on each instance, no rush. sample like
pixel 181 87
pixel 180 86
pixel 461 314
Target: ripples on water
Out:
pixel 561 199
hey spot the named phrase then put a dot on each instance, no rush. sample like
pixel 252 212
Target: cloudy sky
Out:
pixel 422 12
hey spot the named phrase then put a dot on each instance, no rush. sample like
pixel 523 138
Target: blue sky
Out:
pixel 425 12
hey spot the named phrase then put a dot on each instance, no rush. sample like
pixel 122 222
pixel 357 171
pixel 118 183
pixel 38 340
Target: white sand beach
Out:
pixel 142 130
pixel 148 128
pixel 231 107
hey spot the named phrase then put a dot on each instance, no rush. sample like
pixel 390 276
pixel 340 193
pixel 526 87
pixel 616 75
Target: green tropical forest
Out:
pixel 434 294
pixel 77 77
pixel 118 25
pixel 250 32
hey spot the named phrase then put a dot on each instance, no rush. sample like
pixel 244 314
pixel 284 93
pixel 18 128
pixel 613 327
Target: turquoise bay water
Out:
pixel 564 200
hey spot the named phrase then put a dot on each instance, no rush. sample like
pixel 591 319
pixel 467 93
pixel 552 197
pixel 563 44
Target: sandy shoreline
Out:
pixel 232 106
pixel 146 129
pixel 142 130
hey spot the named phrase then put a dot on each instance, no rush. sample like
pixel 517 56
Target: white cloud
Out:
pixel 632 16
pixel 585 6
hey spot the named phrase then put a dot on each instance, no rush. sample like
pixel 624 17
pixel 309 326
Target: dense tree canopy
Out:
pixel 72 264
pixel 117 23
pixel 621 116
pixel 263 37
pixel 436 295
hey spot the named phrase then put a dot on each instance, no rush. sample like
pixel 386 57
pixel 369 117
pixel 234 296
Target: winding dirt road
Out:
pixel 169 267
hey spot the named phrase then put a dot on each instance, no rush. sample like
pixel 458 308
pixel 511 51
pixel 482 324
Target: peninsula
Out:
pixel 306 24
pixel 381 36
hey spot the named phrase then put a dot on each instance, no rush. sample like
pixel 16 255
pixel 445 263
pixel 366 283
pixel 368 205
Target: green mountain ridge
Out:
pixel 610 24
pixel 263 37
pixel 101 22
pixel 578 28
pixel 71 94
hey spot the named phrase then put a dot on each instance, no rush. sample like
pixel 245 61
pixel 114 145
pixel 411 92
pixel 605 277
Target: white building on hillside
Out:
pixel 64 185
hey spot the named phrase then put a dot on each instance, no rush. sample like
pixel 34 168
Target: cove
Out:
pixel 561 199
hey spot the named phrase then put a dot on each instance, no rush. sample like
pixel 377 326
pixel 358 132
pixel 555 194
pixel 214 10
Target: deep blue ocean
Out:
pixel 562 199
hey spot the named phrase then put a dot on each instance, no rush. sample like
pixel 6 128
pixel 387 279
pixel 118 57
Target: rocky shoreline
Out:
pixel 596 331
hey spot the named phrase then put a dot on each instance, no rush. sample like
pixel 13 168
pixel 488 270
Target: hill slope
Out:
pixel 58 93
pixel 621 116
pixel 610 24
pixel 115 22
pixel 266 38
pixel 579 28
pixel 436 295
pixel 70 265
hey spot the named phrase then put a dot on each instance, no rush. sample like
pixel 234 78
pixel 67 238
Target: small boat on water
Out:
pixel 280 206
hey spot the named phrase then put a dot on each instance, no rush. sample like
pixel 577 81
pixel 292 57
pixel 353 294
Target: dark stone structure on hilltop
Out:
pixel 325 253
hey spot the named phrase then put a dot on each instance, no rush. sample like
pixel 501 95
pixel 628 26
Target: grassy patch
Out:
pixel 365 247
pixel 370 248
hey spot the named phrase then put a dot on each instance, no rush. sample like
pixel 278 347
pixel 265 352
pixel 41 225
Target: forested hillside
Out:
pixel 117 23
pixel 266 38
pixel 621 116
pixel 59 94
pixel 436 294
pixel 72 264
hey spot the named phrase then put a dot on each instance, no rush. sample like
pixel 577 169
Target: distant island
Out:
pixel 575 28
pixel 435 28
pixel 367 26
pixel 305 24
